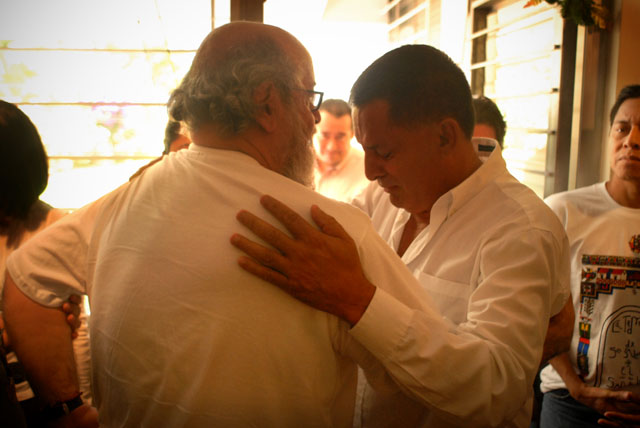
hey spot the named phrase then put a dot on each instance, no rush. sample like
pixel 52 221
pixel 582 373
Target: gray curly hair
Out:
pixel 218 88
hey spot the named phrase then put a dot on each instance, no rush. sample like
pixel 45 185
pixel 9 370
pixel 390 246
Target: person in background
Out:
pixel 24 173
pixel 598 381
pixel 489 120
pixel 175 137
pixel 339 167
pixel 491 254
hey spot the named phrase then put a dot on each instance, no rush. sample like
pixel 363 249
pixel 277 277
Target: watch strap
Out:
pixel 63 408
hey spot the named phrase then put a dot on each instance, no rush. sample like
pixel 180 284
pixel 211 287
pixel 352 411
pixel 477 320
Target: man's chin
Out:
pixel 396 200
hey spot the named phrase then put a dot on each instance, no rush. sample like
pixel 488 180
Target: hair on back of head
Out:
pixel 420 84
pixel 218 88
pixel 171 133
pixel 24 168
pixel 488 113
pixel 628 92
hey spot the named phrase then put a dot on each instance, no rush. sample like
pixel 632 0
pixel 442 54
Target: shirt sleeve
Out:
pixel 480 372
pixel 53 265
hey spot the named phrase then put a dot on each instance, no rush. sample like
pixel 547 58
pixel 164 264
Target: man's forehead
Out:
pixel 629 108
pixel 374 113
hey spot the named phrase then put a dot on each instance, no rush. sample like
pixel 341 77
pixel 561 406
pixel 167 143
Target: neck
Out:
pixel 624 192
pixel 412 228
pixel 462 164
pixel 243 143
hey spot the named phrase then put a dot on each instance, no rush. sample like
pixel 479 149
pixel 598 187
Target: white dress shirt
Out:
pixel 495 260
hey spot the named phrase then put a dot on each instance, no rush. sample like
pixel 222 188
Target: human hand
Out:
pixel 319 267
pixel 84 416
pixel 627 415
pixel 606 400
pixel 71 308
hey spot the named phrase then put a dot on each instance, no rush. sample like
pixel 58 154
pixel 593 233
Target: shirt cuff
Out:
pixel 383 326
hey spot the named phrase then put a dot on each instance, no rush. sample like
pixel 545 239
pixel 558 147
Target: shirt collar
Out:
pixel 454 199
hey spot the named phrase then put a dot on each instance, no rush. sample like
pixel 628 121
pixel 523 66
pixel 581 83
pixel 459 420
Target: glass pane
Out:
pixel 96 24
pixel 73 184
pixel 100 130
pixel 94 77
pixel 528 36
pixel 63 76
pixel 525 155
pixel 526 112
pixel 525 77
pixel 408 28
pixel 525 151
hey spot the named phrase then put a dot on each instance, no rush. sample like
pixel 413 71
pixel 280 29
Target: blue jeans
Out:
pixel 560 410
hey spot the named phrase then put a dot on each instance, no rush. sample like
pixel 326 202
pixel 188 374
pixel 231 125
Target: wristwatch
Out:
pixel 62 408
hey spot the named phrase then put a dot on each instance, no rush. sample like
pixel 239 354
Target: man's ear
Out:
pixel 268 102
pixel 449 132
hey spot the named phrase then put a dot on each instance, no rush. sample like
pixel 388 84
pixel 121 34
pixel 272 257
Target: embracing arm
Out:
pixel 314 284
pixel 559 332
pixel 441 366
pixel 41 338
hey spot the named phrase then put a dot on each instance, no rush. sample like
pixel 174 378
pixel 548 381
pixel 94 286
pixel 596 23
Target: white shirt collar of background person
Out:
pixel 485 146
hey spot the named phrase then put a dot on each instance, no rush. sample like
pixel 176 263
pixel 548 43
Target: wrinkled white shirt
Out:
pixel 495 260
pixel 180 334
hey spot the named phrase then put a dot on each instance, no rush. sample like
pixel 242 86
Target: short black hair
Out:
pixel 337 108
pixel 171 133
pixel 24 168
pixel 420 83
pixel 488 113
pixel 631 91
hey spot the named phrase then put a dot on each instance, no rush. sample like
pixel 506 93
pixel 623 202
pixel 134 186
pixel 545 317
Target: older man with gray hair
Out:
pixel 182 336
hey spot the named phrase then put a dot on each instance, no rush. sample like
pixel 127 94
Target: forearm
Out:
pixel 432 364
pixel 41 338
pixel 565 370
pixel 559 333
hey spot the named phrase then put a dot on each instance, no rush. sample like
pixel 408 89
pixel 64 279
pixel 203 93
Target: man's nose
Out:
pixel 316 116
pixel 372 168
pixel 333 144
pixel 633 139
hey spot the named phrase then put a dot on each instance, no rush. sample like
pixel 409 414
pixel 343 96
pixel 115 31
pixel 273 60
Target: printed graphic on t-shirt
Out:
pixel 618 347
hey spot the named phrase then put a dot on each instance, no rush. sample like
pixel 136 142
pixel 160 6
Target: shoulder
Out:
pixel 585 199
pixel 55 215
pixel 371 198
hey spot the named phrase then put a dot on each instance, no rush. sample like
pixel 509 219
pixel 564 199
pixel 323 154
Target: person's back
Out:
pixel 184 337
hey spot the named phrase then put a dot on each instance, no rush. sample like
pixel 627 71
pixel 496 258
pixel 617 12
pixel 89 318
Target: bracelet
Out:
pixel 62 408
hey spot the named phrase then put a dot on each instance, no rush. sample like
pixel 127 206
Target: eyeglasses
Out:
pixel 315 98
